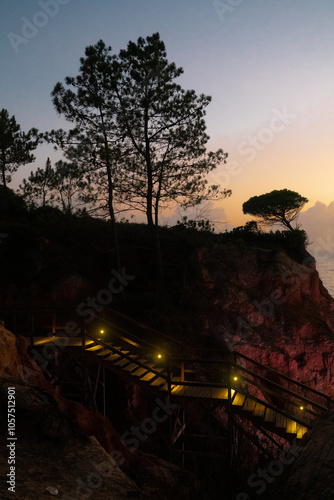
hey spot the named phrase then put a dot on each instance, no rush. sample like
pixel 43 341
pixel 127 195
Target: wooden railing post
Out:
pixel 32 330
pixel 230 414
pixel 83 358
pixel 182 371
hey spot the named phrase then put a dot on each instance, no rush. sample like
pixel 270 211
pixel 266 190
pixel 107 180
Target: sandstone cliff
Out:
pixel 271 308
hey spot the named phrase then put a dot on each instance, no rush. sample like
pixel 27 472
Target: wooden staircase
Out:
pixel 269 399
pixel 167 374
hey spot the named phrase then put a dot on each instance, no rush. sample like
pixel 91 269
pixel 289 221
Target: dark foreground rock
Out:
pixel 310 476
pixel 62 444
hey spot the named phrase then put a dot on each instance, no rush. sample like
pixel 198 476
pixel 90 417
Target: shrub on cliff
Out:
pixel 11 204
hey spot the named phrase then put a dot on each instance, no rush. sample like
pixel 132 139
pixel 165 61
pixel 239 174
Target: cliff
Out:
pixel 270 307
pixel 260 298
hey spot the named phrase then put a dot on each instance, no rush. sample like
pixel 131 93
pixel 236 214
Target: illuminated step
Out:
pixel 249 405
pixel 220 393
pixel 301 430
pixel 148 376
pixel 280 421
pixel 94 348
pixel 113 357
pixel 200 392
pixel 238 399
pixel 159 381
pixel 259 410
pixel 139 372
pixel 291 426
pixel 270 415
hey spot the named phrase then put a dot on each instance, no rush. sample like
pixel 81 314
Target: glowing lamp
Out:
pixel 159 356
pixel 301 407
pixel 235 378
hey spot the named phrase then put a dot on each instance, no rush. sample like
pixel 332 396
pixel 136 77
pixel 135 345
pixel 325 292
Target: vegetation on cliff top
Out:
pixel 44 246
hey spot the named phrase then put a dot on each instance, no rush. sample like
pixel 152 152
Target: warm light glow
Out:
pixel 159 356
pixel 235 378
pixel 101 331
pixel 301 407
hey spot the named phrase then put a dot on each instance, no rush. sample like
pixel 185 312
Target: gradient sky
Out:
pixel 268 65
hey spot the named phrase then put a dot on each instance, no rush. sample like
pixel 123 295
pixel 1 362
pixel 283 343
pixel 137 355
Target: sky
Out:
pixel 268 65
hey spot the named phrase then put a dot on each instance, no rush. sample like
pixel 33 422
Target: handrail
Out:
pixel 280 387
pixel 126 356
pixel 270 382
pixel 274 408
pixel 147 328
pixel 131 335
pixel 300 384
pixel 285 398
pixel 184 348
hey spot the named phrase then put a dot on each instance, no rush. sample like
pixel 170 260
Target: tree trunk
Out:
pixel 111 197
pixel 287 223
pixel 3 170
pixel 154 228
pixel 158 255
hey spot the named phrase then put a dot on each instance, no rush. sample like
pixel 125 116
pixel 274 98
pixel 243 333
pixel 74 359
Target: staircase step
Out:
pixel 238 399
pixel 259 410
pixel 249 405
pixel 281 421
pixel 194 391
pixel 148 376
pixel 301 430
pixel 291 426
pixel 220 393
pixel 122 362
pixel 158 381
pixel 270 415
pixel 130 367
pixel 139 372
pixel 104 353
pixel 113 357
pixel 94 348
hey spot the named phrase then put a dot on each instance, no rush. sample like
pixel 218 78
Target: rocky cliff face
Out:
pixel 271 308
